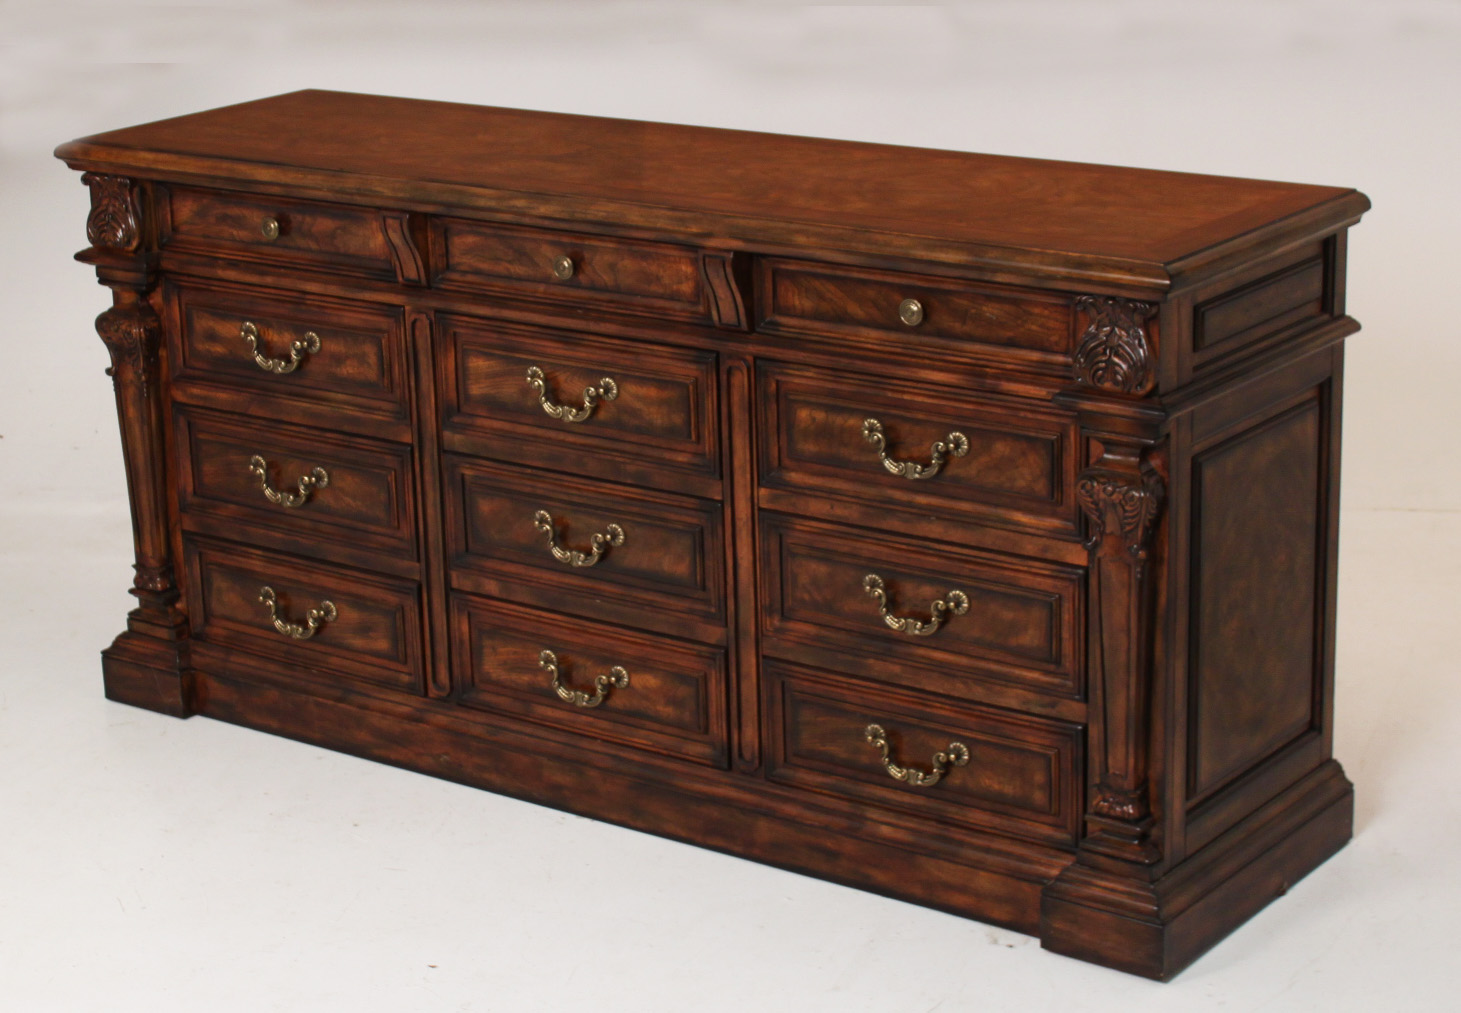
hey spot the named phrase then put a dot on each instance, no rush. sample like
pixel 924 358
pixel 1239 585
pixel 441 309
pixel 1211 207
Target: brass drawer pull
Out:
pixel 314 619
pixel 563 267
pixel 955 445
pixel 956 755
pixel 910 311
pixel 956 603
pixel 614 678
pixel 317 478
pixel 298 349
pixel 598 545
pixel 269 229
pixel 607 389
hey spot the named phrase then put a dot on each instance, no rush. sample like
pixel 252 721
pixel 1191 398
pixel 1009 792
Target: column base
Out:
pixel 1155 929
pixel 146 672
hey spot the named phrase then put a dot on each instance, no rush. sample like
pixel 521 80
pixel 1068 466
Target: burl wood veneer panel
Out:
pixel 1258 550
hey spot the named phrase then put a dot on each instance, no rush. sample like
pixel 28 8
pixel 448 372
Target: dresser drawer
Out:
pixel 324 354
pixel 643 277
pixel 304 613
pixel 967 617
pixel 798 296
pixel 648 693
pixel 522 394
pixel 306 485
pixel 647 560
pixel 335 236
pixel 966 766
pixel 922 450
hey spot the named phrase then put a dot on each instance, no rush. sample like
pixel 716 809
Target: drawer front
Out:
pixel 323 352
pixel 276 228
pixel 306 484
pixel 602 550
pixel 833 299
pixel 968 766
pixel 335 620
pixel 657 278
pixel 521 393
pixel 968 617
pixel 597 680
pixel 925 451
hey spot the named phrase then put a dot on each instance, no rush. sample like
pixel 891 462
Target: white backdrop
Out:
pixel 164 865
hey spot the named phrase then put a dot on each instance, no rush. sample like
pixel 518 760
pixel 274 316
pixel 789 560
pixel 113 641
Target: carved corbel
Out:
pixel 1115 352
pixel 1121 497
pixel 115 219
pixel 727 280
pixel 406 236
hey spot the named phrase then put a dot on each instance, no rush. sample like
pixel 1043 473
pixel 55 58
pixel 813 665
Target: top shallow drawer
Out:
pixel 797 296
pixel 661 279
pixel 332 236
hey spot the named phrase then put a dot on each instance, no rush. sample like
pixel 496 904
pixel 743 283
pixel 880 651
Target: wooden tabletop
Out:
pixel 1086 223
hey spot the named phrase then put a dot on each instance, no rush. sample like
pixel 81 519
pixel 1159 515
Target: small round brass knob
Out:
pixel 910 311
pixel 563 268
pixel 270 229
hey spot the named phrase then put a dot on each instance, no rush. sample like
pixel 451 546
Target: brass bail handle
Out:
pixel 607 390
pixel 299 349
pixel 953 603
pixel 315 478
pixel 599 544
pixel 615 678
pixel 956 755
pixel 313 620
pixel 956 444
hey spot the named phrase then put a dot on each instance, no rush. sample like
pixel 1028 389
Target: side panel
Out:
pixel 1260 545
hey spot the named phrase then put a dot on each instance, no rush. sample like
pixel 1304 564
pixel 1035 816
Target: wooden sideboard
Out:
pixel 957 527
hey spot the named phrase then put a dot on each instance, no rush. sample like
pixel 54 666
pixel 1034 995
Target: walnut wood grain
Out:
pixel 674 699
pixel 369 495
pixel 376 635
pixel 1023 775
pixel 657 277
pixel 360 364
pixel 329 235
pixel 1019 468
pixel 669 561
pixel 800 296
pixel 661 429
pixel 755 188
pixel 1093 472
pixel 1022 625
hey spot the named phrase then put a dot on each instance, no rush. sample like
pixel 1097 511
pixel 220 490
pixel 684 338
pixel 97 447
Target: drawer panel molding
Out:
pixel 983 459
pixel 584 542
pixel 864 306
pixel 280 348
pixel 967 616
pixel 569 267
pixel 257 226
pixel 306 614
pixel 974 767
pixel 591 678
pixel 305 484
pixel 605 407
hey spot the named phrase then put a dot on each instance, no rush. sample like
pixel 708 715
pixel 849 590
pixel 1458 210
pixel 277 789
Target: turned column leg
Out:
pixel 143 666
pixel 1108 906
pixel 1121 499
